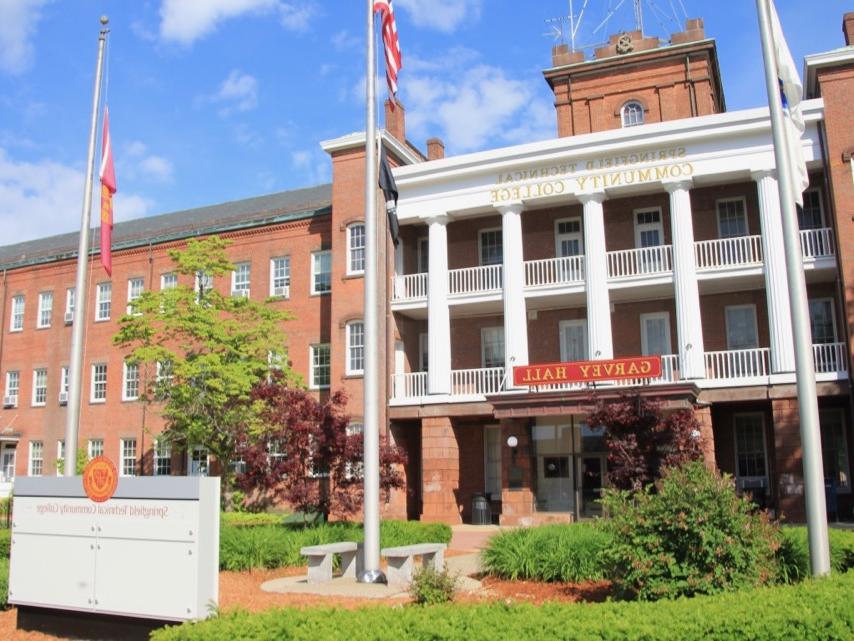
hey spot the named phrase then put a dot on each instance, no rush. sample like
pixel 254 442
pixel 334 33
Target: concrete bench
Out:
pixel 400 560
pixel 320 560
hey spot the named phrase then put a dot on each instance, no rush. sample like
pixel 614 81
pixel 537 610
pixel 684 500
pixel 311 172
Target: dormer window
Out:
pixel 632 114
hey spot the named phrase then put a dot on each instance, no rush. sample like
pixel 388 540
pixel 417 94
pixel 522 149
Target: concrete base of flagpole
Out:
pixel 373 576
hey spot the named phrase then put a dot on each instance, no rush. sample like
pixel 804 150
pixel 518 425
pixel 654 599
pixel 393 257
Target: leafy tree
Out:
pixel 208 351
pixel 642 440
pixel 306 454
pixel 80 462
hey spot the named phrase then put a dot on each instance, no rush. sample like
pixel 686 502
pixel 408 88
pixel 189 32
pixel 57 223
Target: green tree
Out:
pixel 80 462
pixel 207 351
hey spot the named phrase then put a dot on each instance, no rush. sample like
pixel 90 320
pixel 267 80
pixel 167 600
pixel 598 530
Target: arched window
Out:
pixel 632 114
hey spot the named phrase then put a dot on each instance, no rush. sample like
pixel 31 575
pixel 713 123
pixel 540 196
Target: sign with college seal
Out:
pixel 100 479
pixel 587 371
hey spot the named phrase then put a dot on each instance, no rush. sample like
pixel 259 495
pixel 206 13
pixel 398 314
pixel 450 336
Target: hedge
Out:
pixel 793 554
pixel 250 519
pixel 815 610
pixel 4 582
pixel 5 543
pixel 277 546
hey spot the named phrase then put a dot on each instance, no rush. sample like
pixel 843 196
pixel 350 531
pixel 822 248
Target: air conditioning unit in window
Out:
pixel 69 318
pixel 241 293
pixel 10 400
pixel 63 398
pixel 281 291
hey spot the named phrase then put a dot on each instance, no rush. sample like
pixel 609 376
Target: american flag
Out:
pixel 393 60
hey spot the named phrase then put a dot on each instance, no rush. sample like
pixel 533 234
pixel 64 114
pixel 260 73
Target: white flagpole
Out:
pixel 75 370
pixel 371 572
pixel 804 366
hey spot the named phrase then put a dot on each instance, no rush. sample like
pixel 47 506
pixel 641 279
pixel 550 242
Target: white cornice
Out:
pixel 357 139
pixel 816 61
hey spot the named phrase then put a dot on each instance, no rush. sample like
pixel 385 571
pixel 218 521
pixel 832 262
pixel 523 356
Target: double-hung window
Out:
pixel 39 387
pixel 127 457
pixel 63 385
pixel 45 309
pixel 169 280
pixel 240 279
pixel 491 247
pixel 103 301
pixel 162 457
pixel 13 386
pixel 732 218
pixel 130 382
pixel 17 321
pixel 355 348
pixel 199 462
pixel 36 462
pixel 741 327
pixel 69 305
pixel 321 272
pixel 280 276
pixel 320 374
pixel 95 448
pixel 135 287
pixel 655 333
pixel 492 346
pixel 811 215
pixel 99 383
pixel 356 249
pixel 822 320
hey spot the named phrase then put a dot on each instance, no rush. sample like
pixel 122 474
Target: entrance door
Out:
pixel 555 478
pixel 591 478
pixel 7 463
pixel 573 340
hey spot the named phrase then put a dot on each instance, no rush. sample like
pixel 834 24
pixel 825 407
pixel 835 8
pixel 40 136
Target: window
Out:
pixel 750 450
pixel 162 457
pixel 7 462
pixel 95 448
pixel 135 287
pixel 319 360
pixel 732 219
pixel 199 464
pixel 63 385
pixel 631 114
pixel 423 360
pixel 202 285
pixel 355 348
pixel 39 387
pixel 492 346
pixel 492 455
pixel 573 340
pixel 69 305
pixel 127 457
pixel 169 280
pixel 45 309
pixel 491 247
pixel 354 428
pixel 649 231
pixel 321 272
pixel 822 321
pixel 103 301
pixel 655 333
pixel 36 462
pixel 13 385
pixel 280 276
pixel 811 215
pixel 60 457
pixel 17 321
pixel 423 255
pixel 834 448
pixel 356 249
pixel 741 327
pixel 240 279
pixel 99 383
pixel 130 382
pixel 568 237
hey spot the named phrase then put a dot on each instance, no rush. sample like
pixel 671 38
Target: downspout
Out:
pixel 692 93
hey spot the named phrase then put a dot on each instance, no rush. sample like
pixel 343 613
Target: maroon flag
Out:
pixel 393 60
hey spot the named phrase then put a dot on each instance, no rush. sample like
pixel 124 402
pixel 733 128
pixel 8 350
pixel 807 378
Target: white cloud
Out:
pixel 136 162
pixel 441 16
pixel 185 21
pixel 313 164
pixel 18 22
pixel 344 40
pixel 238 92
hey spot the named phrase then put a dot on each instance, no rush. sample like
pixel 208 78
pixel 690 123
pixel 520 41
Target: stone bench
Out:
pixel 400 560
pixel 320 560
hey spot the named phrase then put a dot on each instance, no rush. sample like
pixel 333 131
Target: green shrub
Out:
pixel 689 534
pixel 432 587
pixel 4 582
pixel 5 543
pixel 249 519
pixel 794 559
pixel 814 610
pixel 548 553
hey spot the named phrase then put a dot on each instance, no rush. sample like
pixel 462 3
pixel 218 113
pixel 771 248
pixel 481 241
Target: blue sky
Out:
pixel 215 100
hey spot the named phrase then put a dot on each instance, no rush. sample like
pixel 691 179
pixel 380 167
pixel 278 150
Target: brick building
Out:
pixel 647 227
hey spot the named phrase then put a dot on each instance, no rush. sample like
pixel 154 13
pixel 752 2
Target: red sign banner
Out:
pixel 587 371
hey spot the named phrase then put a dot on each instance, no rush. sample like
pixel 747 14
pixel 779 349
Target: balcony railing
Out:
pixel 474 280
pixel 409 385
pixel 644 261
pixel 817 243
pixel 410 287
pixel 738 363
pixel 477 382
pixel 566 270
pixel 740 251
pixel 830 357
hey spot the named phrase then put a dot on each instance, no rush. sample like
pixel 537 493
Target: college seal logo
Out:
pixel 100 478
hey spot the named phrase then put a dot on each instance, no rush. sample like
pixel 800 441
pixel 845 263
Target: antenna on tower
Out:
pixel 569 24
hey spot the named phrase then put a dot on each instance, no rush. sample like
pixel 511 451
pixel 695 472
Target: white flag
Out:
pixel 791 91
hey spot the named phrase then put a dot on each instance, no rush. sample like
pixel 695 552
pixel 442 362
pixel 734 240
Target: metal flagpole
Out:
pixel 75 372
pixel 804 364
pixel 371 572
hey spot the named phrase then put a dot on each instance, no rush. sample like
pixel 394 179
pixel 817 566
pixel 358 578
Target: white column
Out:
pixel 776 286
pixel 689 324
pixel 599 340
pixel 513 278
pixel 438 316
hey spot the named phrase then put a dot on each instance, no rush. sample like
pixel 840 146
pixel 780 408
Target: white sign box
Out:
pixel 151 551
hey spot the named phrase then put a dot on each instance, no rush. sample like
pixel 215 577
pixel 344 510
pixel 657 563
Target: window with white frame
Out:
pixel 130 382
pixel 60 457
pixel 240 279
pixel 356 248
pixel 491 247
pixel 127 457
pixel 135 288
pixel 741 327
pixel 319 359
pixel 569 239
pixel 39 387
pixel 99 383
pixel 655 333
pixel 203 285
pixel 573 340
pixel 275 453
pixel 355 347
pixel 355 428
pixel 811 215
pixel 63 384
pixel 822 320
pixel 732 218
pixel 35 466
pixel 199 463
pixel 631 114
pixel 103 301
pixel 17 321
pixel 834 448
pixel 423 255
pixel 13 386
pixel 750 455
pixel 492 347
pixel 69 305
pixel 45 309
pixel 423 353
pixel 95 448
pixel 321 272
pixel 280 276
pixel 649 229
pixel 162 457
pixel 169 280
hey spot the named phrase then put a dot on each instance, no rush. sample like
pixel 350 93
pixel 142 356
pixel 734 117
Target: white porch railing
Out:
pixel 477 382
pixel 639 262
pixel 565 270
pixel 817 243
pixel 728 252
pixel 410 287
pixel 474 280
pixel 738 363
pixel 409 385
pixel 830 358
pixel 669 373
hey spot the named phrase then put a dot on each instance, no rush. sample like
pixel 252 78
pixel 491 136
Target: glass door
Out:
pixel 7 463
pixel 591 480
pixel 555 478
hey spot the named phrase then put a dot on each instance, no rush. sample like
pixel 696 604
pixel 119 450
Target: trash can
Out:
pixel 481 512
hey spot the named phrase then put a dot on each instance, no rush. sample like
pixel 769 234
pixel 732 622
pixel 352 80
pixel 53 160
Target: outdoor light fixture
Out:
pixel 512 441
